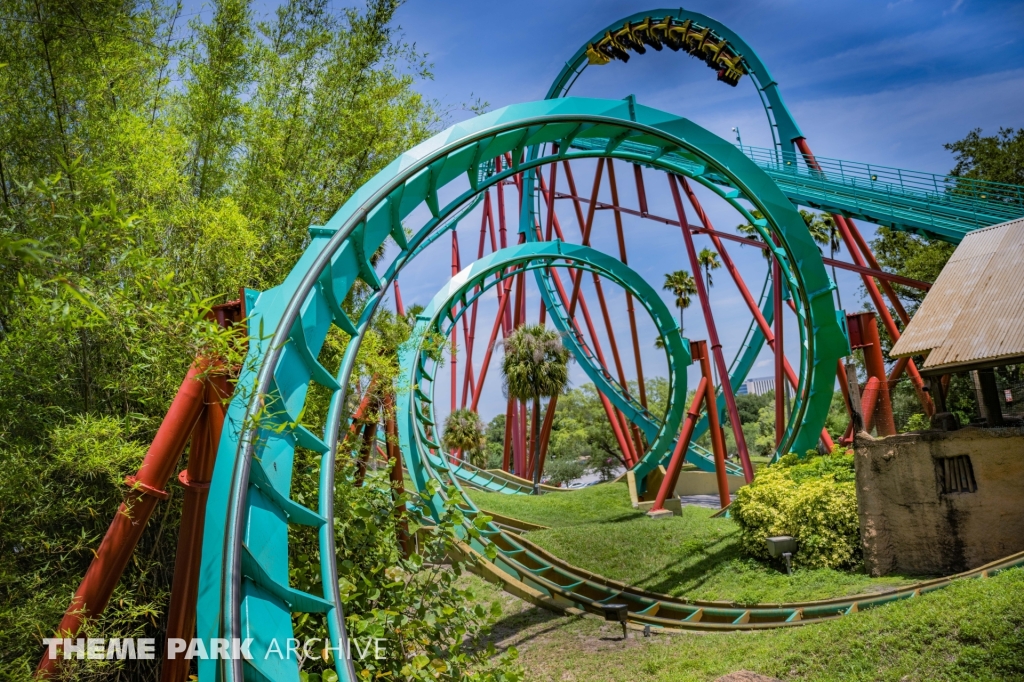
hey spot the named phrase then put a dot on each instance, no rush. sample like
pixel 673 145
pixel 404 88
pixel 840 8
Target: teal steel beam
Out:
pixel 439 317
pixel 263 419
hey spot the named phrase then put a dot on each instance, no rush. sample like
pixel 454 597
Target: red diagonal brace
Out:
pixel 131 518
pixel 716 346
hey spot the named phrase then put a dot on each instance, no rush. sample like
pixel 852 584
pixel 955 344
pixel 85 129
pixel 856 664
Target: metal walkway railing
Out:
pixel 941 206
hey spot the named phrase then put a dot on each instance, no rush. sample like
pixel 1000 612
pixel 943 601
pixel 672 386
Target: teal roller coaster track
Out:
pixel 244 588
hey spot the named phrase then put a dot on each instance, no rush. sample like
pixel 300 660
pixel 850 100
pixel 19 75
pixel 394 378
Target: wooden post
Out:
pixel 856 411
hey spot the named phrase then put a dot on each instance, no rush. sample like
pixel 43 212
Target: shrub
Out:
pixel 812 499
pixel 918 422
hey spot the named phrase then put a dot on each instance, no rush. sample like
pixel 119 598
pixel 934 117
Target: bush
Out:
pixel 918 422
pixel 812 499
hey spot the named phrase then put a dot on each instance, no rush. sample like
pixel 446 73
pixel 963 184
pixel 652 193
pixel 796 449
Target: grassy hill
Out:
pixel 692 555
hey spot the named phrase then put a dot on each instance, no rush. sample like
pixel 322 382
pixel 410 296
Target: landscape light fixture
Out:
pixel 782 546
pixel 616 613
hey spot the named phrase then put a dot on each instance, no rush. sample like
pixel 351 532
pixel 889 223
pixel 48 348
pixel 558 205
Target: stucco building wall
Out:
pixel 909 524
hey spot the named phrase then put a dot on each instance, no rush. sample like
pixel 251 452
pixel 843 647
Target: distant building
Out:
pixel 757 386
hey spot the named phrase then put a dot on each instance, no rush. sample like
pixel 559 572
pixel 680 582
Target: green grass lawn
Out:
pixel 692 555
pixel 972 630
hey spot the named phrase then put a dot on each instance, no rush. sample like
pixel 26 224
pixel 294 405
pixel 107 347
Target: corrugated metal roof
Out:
pixel 974 312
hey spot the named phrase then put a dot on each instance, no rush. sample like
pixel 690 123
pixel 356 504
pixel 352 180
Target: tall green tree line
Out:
pixel 151 164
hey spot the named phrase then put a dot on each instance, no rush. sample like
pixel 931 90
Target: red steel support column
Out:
pixel 399 307
pixel 716 346
pixel 714 426
pixel 506 447
pixel 842 265
pixel 455 327
pixel 619 424
pixel 641 193
pixel 873 263
pixel 363 405
pixel 614 416
pixel 635 442
pixel 844 388
pixel 876 297
pixel 869 400
pixel 716 239
pixel 629 297
pixel 469 332
pixel 490 345
pixel 545 432
pixel 521 454
pixel 699 352
pixel 585 225
pixel 864 334
pixel 147 486
pixel 181 615
pixel 675 464
pixel 826 439
pixel 511 411
pixel 780 387
pixel 897 370
pixel 533 451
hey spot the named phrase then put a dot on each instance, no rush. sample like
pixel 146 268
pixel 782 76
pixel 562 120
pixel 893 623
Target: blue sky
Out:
pixel 884 82
pixel 874 81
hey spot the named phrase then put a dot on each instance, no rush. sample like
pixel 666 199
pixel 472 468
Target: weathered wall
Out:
pixel 908 525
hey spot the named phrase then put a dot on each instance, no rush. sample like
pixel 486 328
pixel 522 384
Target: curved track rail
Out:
pixel 725 51
pixel 939 207
pixel 244 589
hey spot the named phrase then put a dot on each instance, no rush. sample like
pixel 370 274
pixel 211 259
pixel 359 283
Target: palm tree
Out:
pixel 749 230
pixel 825 232
pixel 827 224
pixel 684 288
pixel 535 366
pixel 708 260
pixel 464 432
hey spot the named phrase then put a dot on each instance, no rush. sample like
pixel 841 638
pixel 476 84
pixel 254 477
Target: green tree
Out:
pixel 581 432
pixel 495 435
pixel 684 288
pixel 464 432
pixel 825 232
pixel 535 366
pixel 995 158
pixel 708 260
pixel 749 230
pixel 217 70
pixel 148 169
pixel 564 469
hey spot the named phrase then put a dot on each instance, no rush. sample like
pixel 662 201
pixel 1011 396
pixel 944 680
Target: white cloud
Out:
pixel 906 127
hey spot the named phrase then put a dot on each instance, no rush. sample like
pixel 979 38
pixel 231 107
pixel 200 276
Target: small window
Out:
pixel 955 474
